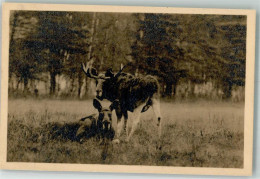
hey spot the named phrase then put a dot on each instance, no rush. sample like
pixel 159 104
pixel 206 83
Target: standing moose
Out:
pixel 134 94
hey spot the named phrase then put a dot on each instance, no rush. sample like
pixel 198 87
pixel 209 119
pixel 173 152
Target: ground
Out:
pixel 199 134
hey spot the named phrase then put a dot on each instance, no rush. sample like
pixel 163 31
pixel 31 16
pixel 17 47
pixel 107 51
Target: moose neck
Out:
pixel 110 89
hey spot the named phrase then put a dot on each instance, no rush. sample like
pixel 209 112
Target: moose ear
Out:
pixel 92 71
pixel 109 73
pixel 89 70
pixel 114 105
pixel 97 105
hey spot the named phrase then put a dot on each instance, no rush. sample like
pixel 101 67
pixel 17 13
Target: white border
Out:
pixel 249 102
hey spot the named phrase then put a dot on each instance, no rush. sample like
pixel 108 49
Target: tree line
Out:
pixel 176 48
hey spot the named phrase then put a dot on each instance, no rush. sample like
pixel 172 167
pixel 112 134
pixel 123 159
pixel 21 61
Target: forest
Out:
pixel 193 56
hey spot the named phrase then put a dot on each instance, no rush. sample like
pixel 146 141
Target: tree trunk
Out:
pixel 92 31
pixel 79 89
pixel 80 82
pixel 18 83
pixel 227 87
pixel 13 31
pixel 174 89
pixel 72 86
pixel 25 83
pixel 87 86
pixel 90 48
pixel 52 83
pixel 168 90
pixel 192 89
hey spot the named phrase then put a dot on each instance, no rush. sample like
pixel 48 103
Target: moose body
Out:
pixel 133 93
pixel 96 125
pixel 99 125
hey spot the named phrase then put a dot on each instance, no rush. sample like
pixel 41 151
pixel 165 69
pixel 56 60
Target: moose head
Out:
pixel 104 114
pixel 104 81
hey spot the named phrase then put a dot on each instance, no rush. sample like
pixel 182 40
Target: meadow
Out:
pixel 197 134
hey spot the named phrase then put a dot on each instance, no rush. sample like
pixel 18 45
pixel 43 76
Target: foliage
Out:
pixel 177 48
pixel 198 48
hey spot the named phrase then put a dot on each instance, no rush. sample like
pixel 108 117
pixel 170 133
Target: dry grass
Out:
pixel 201 134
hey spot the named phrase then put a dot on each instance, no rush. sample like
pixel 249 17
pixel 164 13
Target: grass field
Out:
pixel 199 134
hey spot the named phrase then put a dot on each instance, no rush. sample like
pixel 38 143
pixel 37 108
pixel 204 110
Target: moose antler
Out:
pixel 92 72
pixel 122 67
pixel 88 69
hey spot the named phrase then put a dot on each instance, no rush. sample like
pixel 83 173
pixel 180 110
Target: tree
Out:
pixel 156 52
pixel 177 48
pixel 56 40
pixel 23 64
pixel 197 48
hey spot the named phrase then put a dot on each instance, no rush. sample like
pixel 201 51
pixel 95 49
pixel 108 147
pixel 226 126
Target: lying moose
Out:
pixel 96 125
pixel 99 125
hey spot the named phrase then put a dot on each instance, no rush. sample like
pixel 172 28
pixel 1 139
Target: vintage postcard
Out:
pixel 127 89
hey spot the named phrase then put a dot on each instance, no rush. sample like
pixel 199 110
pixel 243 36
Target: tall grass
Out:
pixel 199 134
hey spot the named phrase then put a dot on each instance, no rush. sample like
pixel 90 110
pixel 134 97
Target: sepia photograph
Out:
pixel 142 87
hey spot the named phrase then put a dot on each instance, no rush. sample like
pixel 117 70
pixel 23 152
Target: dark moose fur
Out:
pixel 131 91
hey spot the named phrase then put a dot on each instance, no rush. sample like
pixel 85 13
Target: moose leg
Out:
pixel 136 119
pixel 119 125
pixel 125 122
pixel 157 112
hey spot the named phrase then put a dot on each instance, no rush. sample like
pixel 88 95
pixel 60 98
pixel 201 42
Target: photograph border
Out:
pixel 249 92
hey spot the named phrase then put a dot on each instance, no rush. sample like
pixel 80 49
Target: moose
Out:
pixel 133 93
pixel 97 125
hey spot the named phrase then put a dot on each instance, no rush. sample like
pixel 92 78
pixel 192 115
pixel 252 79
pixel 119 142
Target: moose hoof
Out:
pixel 101 142
pixel 116 141
pixel 81 141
